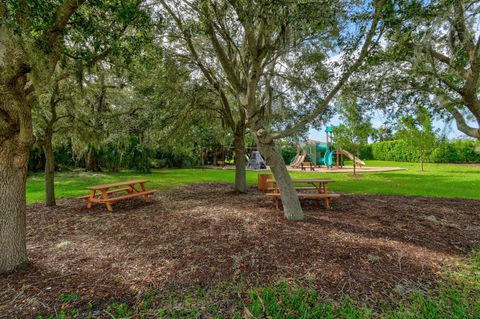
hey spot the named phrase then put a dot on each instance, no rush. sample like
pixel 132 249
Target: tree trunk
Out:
pixel 291 204
pixel 49 173
pixel 13 174
pixel 421 160
pixel 88 160
pixel 240 162
pixel 354 166
pixel 16 137
pixel 17 94
pixel 91 161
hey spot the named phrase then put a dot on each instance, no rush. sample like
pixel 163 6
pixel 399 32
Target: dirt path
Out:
pixel 368 246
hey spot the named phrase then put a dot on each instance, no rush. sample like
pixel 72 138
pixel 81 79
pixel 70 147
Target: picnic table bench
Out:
pixel 318 184
pixel 104 191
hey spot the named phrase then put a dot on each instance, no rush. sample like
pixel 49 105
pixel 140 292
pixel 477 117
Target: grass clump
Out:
pixel 456 297
pixel 284 301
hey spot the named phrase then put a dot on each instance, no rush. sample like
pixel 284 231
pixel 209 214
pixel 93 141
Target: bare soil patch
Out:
pixel 368 246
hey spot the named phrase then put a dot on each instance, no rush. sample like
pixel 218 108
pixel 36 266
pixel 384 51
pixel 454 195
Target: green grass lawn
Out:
pixel 441 180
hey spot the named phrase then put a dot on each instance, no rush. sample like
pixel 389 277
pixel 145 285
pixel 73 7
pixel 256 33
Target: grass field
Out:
pixel 440 180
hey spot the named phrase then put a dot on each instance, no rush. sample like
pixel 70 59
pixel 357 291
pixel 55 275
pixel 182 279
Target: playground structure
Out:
pixel 315 153
pixel 224 156
pixel 256 161
pixel 309 155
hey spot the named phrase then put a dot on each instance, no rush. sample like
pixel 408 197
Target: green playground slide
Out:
pixel 326 158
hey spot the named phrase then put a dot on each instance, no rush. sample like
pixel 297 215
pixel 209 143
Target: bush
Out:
pixel 172 158
pixel 459 151
pixel 397 150
pixel 445 153
pixel 468 151
pixel 288 153
pixel 366 152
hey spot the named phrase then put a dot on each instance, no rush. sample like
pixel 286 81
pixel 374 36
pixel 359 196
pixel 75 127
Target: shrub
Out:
pixel 366 152
pixel 459 151
pixel 397 150
pixel 288 153
pixel 445 153
pixel 468 151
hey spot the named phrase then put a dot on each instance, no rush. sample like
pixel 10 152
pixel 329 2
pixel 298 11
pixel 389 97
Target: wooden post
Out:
pixel 91 198
pixel 108 204
pixel 326 199
pixel 146 196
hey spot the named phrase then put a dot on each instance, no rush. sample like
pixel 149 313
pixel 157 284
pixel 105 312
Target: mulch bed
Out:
pixel 370 247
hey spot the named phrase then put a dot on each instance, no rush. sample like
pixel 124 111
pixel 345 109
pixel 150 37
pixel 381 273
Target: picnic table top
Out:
pixel 112 185
pixel 306 180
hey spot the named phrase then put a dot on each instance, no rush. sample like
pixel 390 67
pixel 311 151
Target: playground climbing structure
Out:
pixel 324 153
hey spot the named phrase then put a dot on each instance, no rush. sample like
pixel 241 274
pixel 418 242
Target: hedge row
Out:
pixel 459 151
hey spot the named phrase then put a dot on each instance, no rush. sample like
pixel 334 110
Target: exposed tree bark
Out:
pixel 240 161
pixel 21 56
pixel 291 204
pixel 292 208
pixel 247 98
pixel 15 139
pixel 13 172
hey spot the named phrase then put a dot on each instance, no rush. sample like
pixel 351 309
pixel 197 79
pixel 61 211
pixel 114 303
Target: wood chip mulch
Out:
pixel 367 246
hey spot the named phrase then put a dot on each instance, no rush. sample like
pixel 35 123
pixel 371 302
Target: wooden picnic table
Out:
pixel 318 184
pixel 134 188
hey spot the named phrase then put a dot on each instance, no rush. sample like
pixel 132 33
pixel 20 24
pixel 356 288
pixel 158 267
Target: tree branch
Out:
pixel 303 122
pixel 462 31
pixel 223 59
pixel 462 125
pixel 62 16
